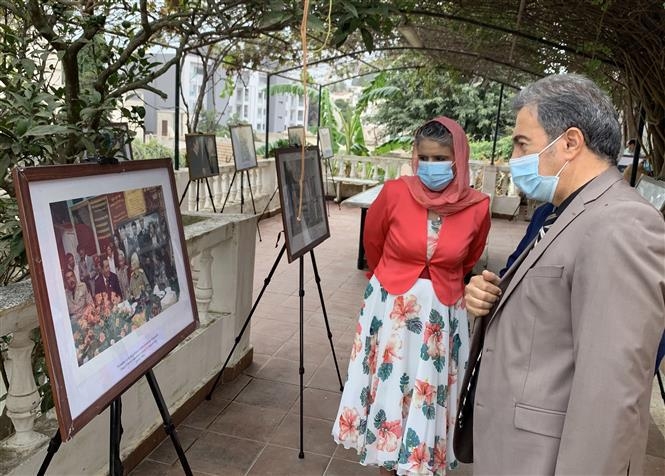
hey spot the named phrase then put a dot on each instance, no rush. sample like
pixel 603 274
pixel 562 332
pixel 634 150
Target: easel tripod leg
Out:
pixel 115 463
pixel 301 368
pixel 251 194
pixel 169 427
pixel 228 192
pixel 52 449
pixel 212 201
pixel 249 317
pixel 317 278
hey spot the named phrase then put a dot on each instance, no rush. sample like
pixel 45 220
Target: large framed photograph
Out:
pixel 110 275
pixel 201 155
pixel 653 190
pixel 303 232
pixel 325 143
pixel 242 142
pixel 296 135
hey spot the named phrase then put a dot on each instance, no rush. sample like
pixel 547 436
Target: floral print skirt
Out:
pixel 400 400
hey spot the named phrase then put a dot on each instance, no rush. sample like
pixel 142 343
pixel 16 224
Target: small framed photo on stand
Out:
pixel 201 156
pixel 296 136
pixel 110 275
pixel 122 141
pixel 325 143
pixel 244 151
pixel 306 230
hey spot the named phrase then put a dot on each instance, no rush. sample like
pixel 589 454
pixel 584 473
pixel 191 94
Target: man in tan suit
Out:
pixel 568 359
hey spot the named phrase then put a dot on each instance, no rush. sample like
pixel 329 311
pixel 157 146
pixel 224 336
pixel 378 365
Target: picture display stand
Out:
pixel 301 294
pixel 116 195
pixel 325 146
pixel 302 234
pixel 244 157
pixel 198 183
pixel 202 163
pixel 115 433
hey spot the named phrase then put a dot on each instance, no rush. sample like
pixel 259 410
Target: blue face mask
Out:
pixel 435 175
pixel 524 171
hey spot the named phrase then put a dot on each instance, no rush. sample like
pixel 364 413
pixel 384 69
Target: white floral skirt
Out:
pixel 400 399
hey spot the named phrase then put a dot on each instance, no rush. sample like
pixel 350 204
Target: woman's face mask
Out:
pixel 524 171
pixel 435 175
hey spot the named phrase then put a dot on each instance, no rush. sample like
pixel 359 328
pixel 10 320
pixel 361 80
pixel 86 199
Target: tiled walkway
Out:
pixel 251 426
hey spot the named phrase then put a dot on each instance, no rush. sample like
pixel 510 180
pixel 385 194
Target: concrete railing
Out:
pixel 350 173
pixel 221 251
pixel 261 186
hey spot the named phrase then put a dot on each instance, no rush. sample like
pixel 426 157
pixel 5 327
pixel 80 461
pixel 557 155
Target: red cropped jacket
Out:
pixel 395 240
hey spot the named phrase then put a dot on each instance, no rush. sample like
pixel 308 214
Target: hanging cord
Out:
pixel 303 40
pixel 327 38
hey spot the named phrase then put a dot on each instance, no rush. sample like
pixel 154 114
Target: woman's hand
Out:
pixel 481 293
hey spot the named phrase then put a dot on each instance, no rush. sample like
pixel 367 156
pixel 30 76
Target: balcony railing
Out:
pixel 261 186
pixel 221 251
pixel 350 173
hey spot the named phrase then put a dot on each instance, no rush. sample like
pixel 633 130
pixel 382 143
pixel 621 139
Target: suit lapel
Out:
pixel 532 254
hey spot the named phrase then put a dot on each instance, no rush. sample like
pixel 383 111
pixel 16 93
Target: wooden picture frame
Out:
pixel 296 136
pixel 325 143
pixel 305 234
pixel 242 143
pixel 201 156
pixel 103 331
pixel 653 190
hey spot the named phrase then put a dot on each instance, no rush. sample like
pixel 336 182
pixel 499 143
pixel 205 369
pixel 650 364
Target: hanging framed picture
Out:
pixel 325 143
pixel 304 227
pixel 242 142
pixel 296 135
pixel 110 275
pixel 201 155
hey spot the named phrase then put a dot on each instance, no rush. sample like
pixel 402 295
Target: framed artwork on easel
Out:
pixel 325 143
pixel 122 141
pixel 242 142
pixel 304 228
pixel 201 156
pixel 110 274
pixel 296 135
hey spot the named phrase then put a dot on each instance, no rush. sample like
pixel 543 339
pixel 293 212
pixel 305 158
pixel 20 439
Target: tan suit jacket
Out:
pixel 569 353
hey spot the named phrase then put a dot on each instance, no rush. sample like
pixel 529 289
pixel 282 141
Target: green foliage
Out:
pixel 272 147
pixel 482 150
pixel 409 98
pixel 153 149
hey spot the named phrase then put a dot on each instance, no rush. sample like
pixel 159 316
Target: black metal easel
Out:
pixel 301 294
pixel 242 196
pixel 198 182
pixel 115 463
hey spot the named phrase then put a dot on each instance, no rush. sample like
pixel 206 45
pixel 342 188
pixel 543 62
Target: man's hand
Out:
pixel 481 293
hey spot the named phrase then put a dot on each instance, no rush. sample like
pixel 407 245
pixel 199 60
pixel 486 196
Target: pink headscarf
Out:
pixel 458 194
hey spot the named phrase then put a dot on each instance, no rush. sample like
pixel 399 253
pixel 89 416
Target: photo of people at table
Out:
pixel 117 265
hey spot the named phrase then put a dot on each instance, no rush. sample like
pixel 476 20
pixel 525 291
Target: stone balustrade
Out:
pixel 350 173
pixel 221 251
pixel 261 186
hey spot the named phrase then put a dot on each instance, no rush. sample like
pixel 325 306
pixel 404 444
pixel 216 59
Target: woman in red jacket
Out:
pixel 422 235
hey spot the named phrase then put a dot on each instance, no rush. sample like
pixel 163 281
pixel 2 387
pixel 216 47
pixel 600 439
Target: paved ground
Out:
pixel 251 425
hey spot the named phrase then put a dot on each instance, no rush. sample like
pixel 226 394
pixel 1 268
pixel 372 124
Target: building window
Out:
pixel 300 116
pixel 246 94
pixel 301 100
pixel 165 127
pixel 245 111
pixel 238 109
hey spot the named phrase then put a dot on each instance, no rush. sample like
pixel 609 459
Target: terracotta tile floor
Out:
pixel 251 426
